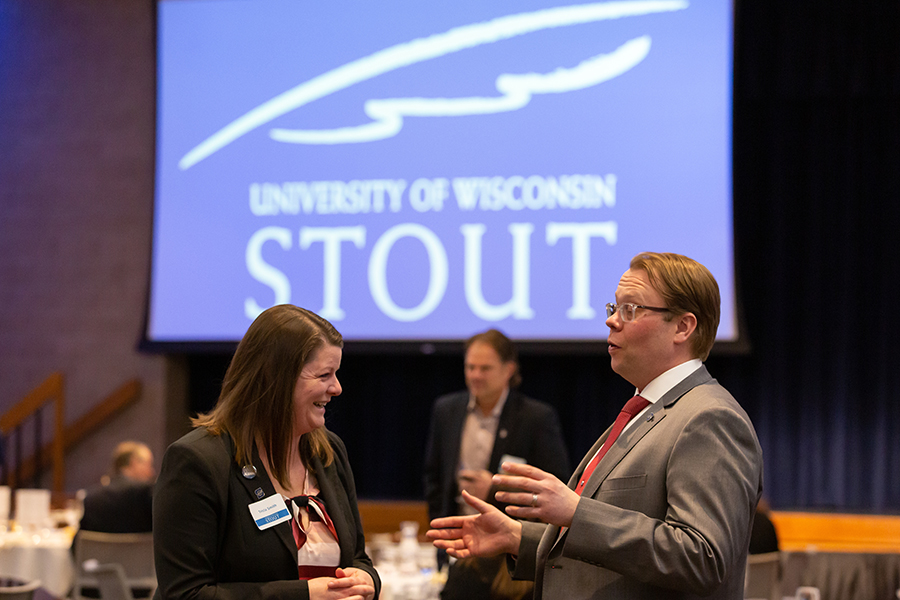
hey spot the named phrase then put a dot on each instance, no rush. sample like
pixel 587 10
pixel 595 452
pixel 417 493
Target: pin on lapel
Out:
pixel 259 493
pixel 248 471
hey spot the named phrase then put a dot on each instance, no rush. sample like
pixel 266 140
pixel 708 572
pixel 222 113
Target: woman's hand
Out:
pixel 347 584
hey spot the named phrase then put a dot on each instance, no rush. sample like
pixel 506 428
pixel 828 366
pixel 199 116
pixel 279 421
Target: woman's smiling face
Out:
pixel 315 387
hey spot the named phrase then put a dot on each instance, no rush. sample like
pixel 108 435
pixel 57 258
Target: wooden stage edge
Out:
pixel 797 531
pixel 837 532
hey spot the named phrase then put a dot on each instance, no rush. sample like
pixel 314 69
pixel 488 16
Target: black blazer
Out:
pixel 206 542
pixel 528 429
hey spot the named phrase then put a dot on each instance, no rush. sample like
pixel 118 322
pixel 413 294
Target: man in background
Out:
pixel 472 433
pixel 124 501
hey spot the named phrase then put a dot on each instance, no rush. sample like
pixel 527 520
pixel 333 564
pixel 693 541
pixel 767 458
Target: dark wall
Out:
pixel 816 180
pixel 76 205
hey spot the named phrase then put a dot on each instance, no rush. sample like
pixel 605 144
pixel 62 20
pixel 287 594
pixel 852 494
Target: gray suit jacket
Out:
pixel 666 514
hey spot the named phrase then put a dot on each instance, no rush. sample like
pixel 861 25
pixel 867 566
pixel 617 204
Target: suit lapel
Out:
pixel 509 415
pixel 613 456
pixel 698 377
pixel 628 439
pixel 262 482
pixel 455 426
pixel 573 481
pixel 552 533
pixel 622 446
pixel 334 504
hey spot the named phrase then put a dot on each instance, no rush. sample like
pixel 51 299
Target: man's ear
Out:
pixel 509 369
pixel 685 325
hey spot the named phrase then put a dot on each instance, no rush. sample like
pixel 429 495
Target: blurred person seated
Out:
pixel 123 503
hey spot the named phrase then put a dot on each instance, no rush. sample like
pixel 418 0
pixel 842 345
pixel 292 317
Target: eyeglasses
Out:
pixel 626 311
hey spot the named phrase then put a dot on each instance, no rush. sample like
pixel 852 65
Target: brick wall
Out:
pixel 76 195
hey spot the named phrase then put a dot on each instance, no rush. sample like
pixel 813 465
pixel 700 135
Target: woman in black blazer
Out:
pixel 222 527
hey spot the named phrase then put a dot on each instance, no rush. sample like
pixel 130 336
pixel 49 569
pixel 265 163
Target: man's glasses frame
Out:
pixel 627 310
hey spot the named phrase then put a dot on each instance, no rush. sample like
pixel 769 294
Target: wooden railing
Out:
pixel 65 437
pixel 30 407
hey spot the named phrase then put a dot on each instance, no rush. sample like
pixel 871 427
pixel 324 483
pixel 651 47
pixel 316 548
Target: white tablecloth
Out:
pixel 844 575
pixel 412 576
pixel 43 556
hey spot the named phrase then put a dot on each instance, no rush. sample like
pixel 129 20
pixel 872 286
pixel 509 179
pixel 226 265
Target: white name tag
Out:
pixel 269 512
pixel 511 459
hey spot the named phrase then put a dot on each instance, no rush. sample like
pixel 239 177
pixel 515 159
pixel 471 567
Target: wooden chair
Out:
pixel 763 578
pixel 111 579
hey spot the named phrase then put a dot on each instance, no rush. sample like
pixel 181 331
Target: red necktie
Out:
pixel 631 408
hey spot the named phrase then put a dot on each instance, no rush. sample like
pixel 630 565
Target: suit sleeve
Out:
pixel 523 566
pixel 190 517
pixel 712 482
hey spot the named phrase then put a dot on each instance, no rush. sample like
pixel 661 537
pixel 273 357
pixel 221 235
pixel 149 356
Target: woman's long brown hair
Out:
pixel 256 402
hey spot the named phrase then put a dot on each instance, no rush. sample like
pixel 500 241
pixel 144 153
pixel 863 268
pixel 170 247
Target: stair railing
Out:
pixel 31 408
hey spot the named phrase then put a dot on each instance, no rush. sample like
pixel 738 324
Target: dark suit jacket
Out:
pixel 763 536
pixel 123 506
pixel 528 429
pixel 667 512
pixel 206 542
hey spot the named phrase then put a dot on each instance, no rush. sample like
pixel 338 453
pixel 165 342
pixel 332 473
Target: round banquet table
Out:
pixel 45 555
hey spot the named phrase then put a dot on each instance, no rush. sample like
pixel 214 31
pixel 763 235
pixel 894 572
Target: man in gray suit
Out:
pixel 667 510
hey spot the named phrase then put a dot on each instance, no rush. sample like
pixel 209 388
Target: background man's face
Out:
pixel 486 374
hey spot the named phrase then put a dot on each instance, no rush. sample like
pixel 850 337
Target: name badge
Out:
pixel 511 459
pixel 269 512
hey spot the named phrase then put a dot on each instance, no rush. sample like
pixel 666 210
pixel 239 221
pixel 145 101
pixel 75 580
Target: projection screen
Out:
pixel 422 171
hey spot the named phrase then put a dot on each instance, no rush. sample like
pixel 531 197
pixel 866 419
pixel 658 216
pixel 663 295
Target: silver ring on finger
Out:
pixel 534 500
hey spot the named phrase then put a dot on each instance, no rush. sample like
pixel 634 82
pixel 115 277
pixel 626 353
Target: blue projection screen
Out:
pixel 423 171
